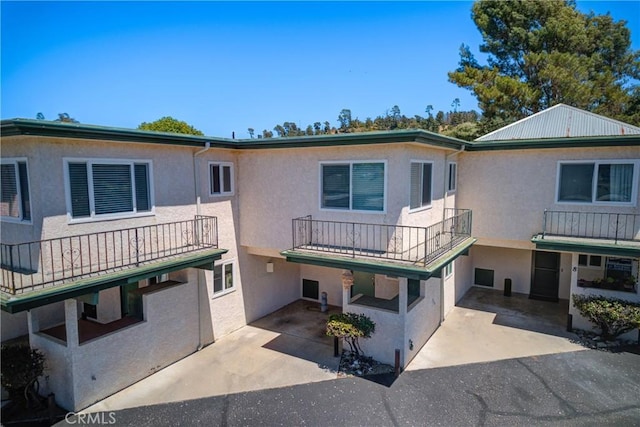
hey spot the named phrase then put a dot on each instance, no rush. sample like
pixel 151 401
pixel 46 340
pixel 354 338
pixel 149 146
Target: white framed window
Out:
pixel 421 192
pixel 448 270
pixel 592 261
pixel 108 188
pixel 452 177
pixel 607 182
pixel 220 178
pixel 15 200
pixel 355 186
pixel 223 278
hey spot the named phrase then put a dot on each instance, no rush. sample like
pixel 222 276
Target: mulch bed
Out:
pixel 360 366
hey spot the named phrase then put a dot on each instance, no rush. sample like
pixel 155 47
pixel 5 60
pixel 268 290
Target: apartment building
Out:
pixel 124 250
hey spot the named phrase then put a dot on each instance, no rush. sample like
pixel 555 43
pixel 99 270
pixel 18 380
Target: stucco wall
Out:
pixel 506 263
pixel 285 184
pixel 329 281
pixel 16 325
pixel 423 319
pixel 112 362
pixel 509 190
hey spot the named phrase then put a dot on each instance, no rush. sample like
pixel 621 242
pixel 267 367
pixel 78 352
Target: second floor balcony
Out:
pixel 51 263
pixel 604 233
pixel 397 244
pixel 614 227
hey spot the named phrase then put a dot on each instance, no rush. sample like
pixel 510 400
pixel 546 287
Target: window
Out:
pixel 223 278
pixel 597 182
pixel 108 188
pixel 453 176
pixel 15 203
pixel 420 185
pixel 589 260
pixel 448 269
pixel 221 179
pixel 358 186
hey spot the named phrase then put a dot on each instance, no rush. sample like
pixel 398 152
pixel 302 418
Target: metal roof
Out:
pixel 561 121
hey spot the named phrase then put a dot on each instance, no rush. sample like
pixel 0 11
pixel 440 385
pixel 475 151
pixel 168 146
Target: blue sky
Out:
pixel 225 67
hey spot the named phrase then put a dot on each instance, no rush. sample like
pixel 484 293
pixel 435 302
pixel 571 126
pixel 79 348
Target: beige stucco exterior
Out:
pixel 507 190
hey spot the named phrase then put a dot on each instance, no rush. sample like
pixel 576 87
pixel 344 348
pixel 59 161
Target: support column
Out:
pixel 403 295
pixel 574 281
pixel 33 321
pixel 347 282
pixel 71 322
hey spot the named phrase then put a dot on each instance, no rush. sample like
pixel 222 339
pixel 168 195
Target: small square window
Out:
pixel 595 261
pixel 583 259
pixel 221 179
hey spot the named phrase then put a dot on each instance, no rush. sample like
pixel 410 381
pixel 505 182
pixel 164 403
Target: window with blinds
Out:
pixel 98 189
pixel 15 203
pixel 421 183
pixel 358 186
pixel 221 179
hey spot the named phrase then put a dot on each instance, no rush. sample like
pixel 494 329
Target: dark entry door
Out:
pixel 363 283
pixel 546 276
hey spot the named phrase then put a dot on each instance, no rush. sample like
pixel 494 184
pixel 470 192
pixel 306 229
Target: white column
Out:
pixel 71 322
pixel 574 281
pixel 33 321
pixel 403 293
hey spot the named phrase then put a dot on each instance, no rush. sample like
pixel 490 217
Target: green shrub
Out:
pixel 612 316
pixel 351 327
pixel 21 367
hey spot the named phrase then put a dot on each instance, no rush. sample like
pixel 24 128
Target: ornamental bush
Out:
pixel 612 316
pixel 351 327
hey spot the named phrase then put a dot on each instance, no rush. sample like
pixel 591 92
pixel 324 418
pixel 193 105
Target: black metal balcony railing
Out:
pixel 417 245
pixel 610 226
pixel 52 262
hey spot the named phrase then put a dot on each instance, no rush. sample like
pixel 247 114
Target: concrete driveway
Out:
pixel 486 326
pixel 286 348
pixel 289 347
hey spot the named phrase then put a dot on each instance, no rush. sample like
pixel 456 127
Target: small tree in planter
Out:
pixel 351 327
pixel 21 367
pixel 613 316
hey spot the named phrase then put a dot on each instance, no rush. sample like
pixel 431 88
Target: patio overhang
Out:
pixel 39 298
pixel 625 249
pixel 378 266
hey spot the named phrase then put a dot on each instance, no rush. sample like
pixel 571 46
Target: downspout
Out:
pixel 196 184
pixel 196 176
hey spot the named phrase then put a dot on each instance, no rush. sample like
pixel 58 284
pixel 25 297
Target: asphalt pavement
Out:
pixel 582 388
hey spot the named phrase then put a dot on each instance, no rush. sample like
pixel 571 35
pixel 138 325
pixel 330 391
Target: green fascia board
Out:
pixel 41 297
pixel 83 131
pixel 388 268
pixel 618 250
pixel 573 142
pixel 76 130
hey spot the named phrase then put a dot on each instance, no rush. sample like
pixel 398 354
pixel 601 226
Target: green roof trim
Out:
pixel 572 142
pixel 14 127
pixel 586 247
pixel 21 302
pixel 376 266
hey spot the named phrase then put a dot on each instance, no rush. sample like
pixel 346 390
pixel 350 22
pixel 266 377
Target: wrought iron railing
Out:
pixel 52 262
pixel 610 226
pixel 417 245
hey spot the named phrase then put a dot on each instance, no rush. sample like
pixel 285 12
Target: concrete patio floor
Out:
pixel 486 326
pixel 289 347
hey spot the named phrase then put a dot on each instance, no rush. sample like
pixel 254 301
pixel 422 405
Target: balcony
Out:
pixel 51 263
pixel 397 244
pixel 613 234
pixel 604 226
